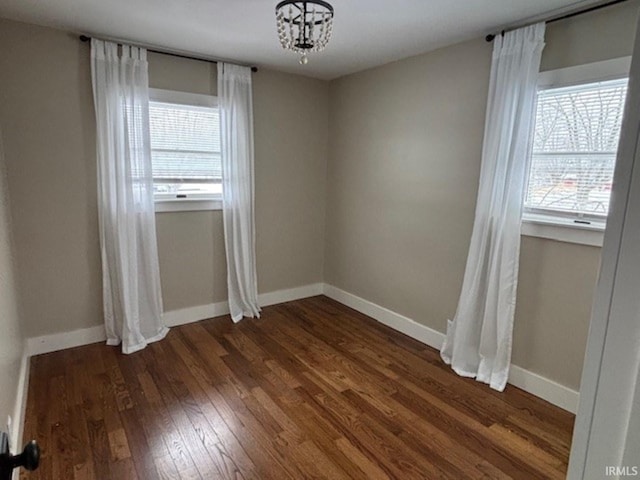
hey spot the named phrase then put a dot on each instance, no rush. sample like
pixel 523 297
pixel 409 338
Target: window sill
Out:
pixel 187 205
pixel 562 230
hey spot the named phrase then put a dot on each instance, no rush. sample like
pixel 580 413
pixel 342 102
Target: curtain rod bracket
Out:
pixel 491 36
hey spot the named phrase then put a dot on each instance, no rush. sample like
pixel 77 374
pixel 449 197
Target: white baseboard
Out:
pixel 183 316
pixel 202 312
pixel 85 336
pixel 398 322
pixel 552 392
pixel 533 383
pixel 63 340
pixel 290 294
pixel 20 407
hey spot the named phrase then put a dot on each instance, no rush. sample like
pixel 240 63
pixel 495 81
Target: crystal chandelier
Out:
pixel 304 26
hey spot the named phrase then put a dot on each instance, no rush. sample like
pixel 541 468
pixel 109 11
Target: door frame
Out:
pixel 612 357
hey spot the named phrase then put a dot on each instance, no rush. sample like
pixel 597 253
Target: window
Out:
pixel 575 141
pixel 576 135
pixel 185 149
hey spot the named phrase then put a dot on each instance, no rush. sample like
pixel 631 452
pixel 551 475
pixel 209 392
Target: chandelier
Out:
pixel 304 26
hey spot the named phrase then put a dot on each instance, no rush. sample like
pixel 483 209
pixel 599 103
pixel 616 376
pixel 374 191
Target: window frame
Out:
pixel 194 202
pixel 563 227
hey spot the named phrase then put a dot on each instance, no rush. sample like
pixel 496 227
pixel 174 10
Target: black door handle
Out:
pixel 28 459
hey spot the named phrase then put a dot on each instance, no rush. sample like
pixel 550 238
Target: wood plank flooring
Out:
pixel 311 390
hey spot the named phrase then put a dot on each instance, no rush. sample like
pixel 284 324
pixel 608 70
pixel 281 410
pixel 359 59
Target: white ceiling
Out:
pixel 366 33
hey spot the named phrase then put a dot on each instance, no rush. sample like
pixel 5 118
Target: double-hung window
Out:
pixel 575 143
pixel 185 150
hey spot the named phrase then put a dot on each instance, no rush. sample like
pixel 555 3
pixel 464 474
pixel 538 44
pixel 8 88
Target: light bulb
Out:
pixel 303 59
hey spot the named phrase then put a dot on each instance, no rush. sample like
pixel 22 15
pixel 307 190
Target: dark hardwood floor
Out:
pixel 313 389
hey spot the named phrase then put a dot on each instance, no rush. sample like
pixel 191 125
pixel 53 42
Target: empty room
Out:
pixel 319 239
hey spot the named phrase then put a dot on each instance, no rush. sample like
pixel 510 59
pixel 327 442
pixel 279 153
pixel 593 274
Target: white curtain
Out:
pixel 236 132
pixel 131 281
pixel 479 338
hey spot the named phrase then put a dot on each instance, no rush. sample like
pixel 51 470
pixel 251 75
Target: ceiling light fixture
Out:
pixel 304 26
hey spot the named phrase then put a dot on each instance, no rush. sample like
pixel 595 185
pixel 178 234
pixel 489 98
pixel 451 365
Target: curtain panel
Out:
pixel 479 339
pixel 132 297
pixel 236 132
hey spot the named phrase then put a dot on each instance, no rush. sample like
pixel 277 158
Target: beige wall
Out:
pixel 592 37
pixel 553 309
pixel 49 130
pixel 291 128
pixel 11 342
pixel 47 107
pixel 404 161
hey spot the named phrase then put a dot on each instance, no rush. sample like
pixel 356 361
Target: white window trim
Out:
pixel 192 203
pixel 183 98
pixel 563 230
pixel 187 205
pixel 587 73
pixel 559 228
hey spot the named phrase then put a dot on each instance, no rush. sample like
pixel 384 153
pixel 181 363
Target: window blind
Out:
pixel 577 129
pixel 185 146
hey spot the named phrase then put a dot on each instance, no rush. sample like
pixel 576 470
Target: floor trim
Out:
pixel 63 340
pixel 553 392
pixel 85 336
pixel 201 312
pixel 398 322
pixel 183 316
pixel 528 381
pixel 290 294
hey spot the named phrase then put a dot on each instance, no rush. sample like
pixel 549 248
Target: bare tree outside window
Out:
pixel 575 142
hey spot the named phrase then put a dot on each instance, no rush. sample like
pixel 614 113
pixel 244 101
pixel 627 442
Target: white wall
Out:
pixel 11 340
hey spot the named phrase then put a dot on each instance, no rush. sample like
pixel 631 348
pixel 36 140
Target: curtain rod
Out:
pixel 86 38
pixel 491 36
